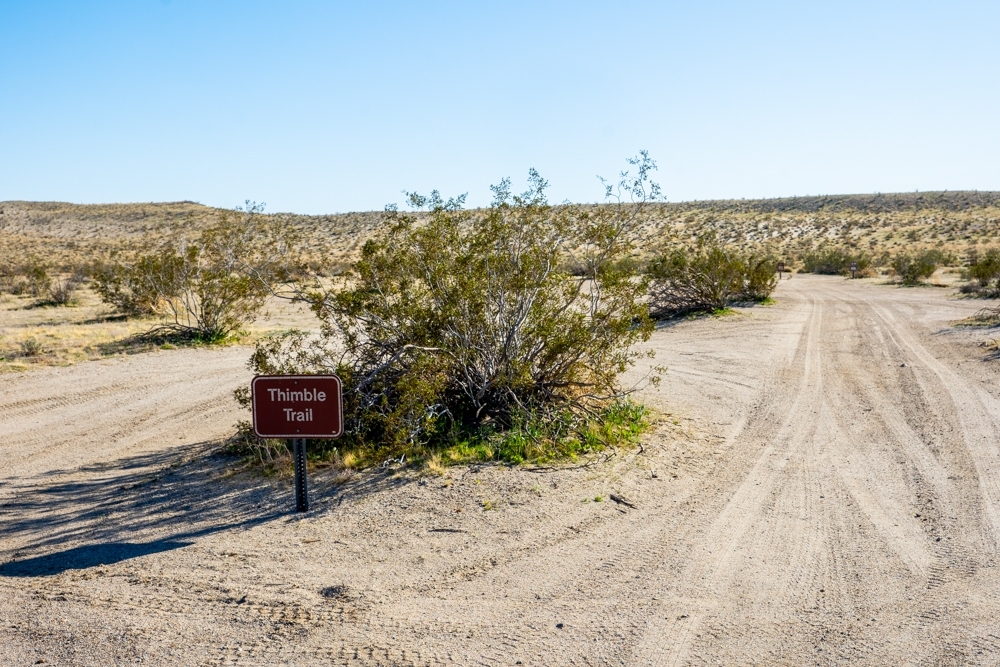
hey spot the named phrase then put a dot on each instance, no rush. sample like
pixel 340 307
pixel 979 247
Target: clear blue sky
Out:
pixel 322 107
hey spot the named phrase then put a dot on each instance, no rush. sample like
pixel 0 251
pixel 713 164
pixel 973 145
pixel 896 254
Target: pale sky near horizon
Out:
pixel 324 107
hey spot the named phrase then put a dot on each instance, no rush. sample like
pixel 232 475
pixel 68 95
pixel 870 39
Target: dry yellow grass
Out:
pixel 961 222
pixel 69 235
pixel 65 334
pixel 88 329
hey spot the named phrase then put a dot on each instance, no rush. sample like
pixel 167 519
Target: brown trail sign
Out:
pixel 298 407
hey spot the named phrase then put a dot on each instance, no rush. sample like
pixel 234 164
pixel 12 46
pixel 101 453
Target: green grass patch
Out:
pixel 533 441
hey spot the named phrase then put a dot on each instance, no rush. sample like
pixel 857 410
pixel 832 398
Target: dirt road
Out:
pixel 823 488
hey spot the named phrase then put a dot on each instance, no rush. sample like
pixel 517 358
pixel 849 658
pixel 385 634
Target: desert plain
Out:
pixel 820 486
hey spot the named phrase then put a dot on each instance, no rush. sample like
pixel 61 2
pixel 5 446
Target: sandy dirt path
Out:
pixel 823 488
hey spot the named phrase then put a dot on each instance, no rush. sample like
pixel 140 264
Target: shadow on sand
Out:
pixel 148 504
pixel 80 558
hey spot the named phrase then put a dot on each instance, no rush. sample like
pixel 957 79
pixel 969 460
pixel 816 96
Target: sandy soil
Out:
pixel 89 329
pixel 824 488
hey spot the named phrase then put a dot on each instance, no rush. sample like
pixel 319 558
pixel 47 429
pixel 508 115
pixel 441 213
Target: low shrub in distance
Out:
pixel 209 286
pixel 913 267
pixel 986 268
pixel 62 289
pixel 984 274
pixel 835 261
pixel 26 278
pixel 31 347
pixel 707 277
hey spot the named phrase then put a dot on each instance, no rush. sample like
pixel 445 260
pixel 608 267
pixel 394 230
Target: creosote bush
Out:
pixel 913 267
pixel 985 274
pixel 467 335
pixel 31 347
pixel 37 280
pixel 62 289
pixel 30 277
pixel 707 277
pixel 836 261
pixel 209 286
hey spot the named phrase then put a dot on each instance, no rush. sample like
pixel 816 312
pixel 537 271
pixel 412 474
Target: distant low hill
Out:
pixel 959 221
pixel 66 233
pixel 876 203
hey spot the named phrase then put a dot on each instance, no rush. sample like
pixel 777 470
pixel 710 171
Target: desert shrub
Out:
pixel 984 317
pixel 37 278
pixel 134 286
pixel 835 261
pixel 986 269
pixel 975 290
pixel 31 347
pixel 8 275
pixel 708 276
pixel 62 289
pixel 467 331
pixel 759 277
pixel 208 287
pixel 30 277
pixel 913 267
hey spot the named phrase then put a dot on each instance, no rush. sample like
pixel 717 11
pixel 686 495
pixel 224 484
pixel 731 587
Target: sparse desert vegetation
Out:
pixel 88 329
pixel 120 517
pixel 963 223
pixel 86 247
pixel 207 286
pixel 811 405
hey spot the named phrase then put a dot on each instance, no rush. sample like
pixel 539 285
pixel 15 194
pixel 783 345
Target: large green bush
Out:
pixel 207 286
pixel 706 277
pixel 835 261
pixel 986 269
pixel 470 323
pixel 913 267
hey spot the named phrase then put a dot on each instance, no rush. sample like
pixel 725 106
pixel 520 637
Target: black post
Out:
pixel 301 490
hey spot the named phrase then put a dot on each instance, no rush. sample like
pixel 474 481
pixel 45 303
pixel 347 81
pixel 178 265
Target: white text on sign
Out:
pixel 301 395
pixel 298 416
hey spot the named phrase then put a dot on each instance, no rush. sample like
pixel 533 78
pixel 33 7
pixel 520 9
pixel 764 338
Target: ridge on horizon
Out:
pixel 869 202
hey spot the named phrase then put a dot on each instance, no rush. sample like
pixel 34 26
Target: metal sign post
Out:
pixel 298 407
pixel 854 269
pixel 781 267
pixel 301 491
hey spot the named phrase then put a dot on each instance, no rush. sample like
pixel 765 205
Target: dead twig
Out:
pixel 622 500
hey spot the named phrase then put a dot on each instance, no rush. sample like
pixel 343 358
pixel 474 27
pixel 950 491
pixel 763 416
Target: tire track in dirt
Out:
pixel 976 411
pixel 830 520
pixel 620 554
pixel 184 396
pixel 668 639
